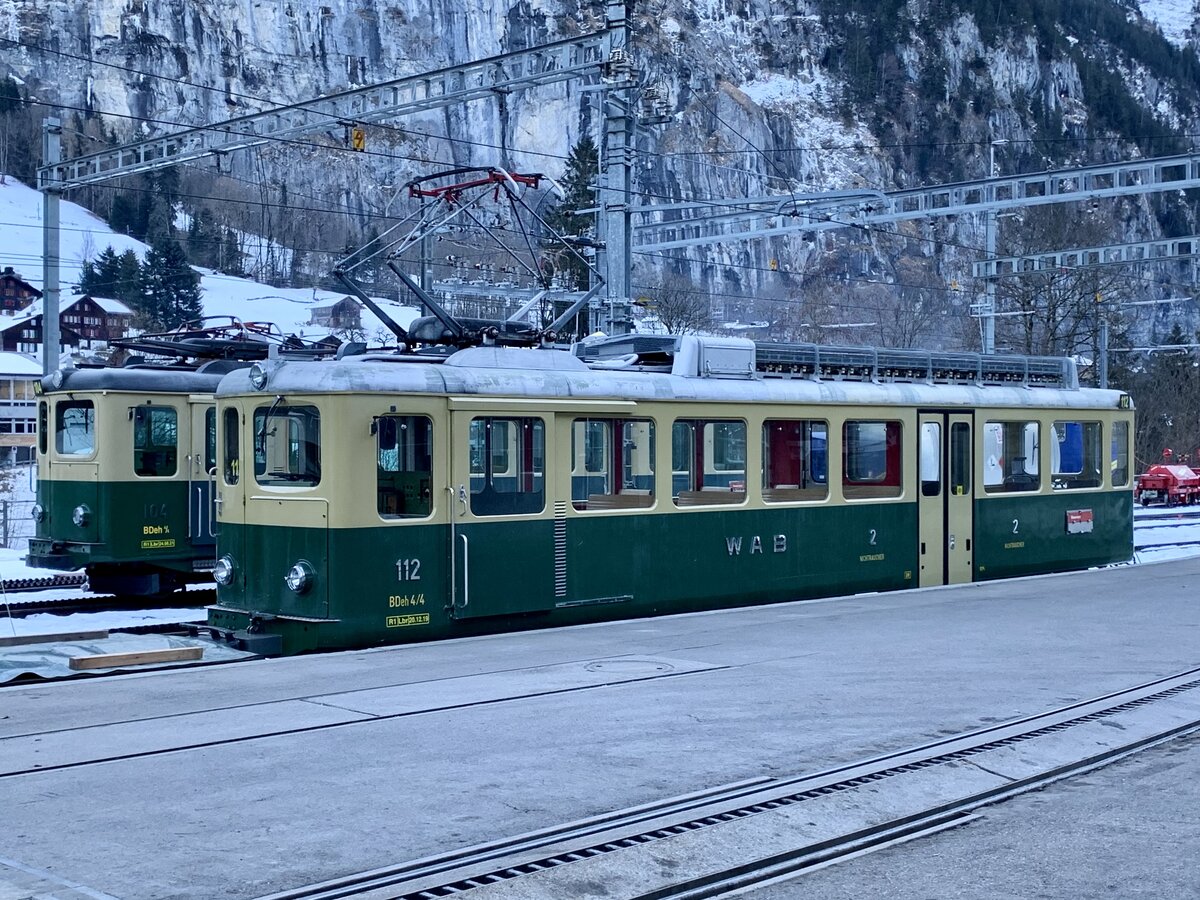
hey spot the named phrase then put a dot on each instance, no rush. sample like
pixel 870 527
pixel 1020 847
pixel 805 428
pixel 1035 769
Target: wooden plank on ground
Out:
pixel 139 658
pixel 22 639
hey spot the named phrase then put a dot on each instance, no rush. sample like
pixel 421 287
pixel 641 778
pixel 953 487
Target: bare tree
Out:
pixel 1058 313
pixel 682 307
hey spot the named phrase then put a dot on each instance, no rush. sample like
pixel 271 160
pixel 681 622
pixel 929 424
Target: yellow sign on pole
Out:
pixel 358 139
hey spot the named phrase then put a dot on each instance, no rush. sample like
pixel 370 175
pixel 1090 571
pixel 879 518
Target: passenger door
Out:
pixel 503 523
pixel 945 511
pixel 201 473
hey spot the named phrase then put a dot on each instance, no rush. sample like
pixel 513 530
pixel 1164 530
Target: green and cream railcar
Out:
pixel 125 461
pixel 380 499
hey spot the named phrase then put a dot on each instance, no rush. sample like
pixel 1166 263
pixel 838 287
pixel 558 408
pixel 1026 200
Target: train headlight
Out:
pixel 299 577
pixel 258 376
pixel 38 512
pixel 222 572
pixel 81 515
pixel 55 379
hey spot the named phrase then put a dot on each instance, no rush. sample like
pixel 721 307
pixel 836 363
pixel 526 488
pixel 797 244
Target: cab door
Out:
pixel 234 461
pixel 503 521
pixel 945 511
pixel 201 473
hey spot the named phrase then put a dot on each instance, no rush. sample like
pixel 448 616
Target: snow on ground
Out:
pixel 84 236
pixel 48 623
pixel 1174 17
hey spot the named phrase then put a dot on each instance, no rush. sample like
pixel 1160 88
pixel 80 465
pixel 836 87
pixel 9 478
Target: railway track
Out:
pixel 26 585
pixel 953 776
pixel 94 603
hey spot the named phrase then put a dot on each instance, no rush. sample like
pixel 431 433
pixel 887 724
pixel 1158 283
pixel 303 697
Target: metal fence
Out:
pixel 16 523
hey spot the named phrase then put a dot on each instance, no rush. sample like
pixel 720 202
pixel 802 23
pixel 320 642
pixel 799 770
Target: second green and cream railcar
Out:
pixel 388 498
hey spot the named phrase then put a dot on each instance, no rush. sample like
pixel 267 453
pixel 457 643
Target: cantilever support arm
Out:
pixel 370 304
pixel 434 307
pixel 574 308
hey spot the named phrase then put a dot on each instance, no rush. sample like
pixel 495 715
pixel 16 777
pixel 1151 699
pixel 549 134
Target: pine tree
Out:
pixel 101 278
pixel 203 240
pixel 124 216
pixel 170 288
pixel 578 183
pixel 129 279
pixel 231 253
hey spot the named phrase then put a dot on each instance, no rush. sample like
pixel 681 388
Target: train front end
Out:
pixel 313 553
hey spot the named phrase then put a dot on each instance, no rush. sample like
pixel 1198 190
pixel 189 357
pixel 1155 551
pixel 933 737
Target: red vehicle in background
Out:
pixel 1171 482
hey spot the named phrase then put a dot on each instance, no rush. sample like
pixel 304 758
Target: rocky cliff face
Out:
pixel 764 95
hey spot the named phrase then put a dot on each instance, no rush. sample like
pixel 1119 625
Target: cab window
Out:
pixel 404 466
pixel 210 440
pixel 508 459
pixel 43 425
pixel 155 441
pixel 75 428
pixel 229 428
pixel 287 445
pixel 1119 460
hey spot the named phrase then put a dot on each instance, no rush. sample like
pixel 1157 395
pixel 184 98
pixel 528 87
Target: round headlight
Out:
pixel 258 376
pixel 223 571
pixel 80 515
pixel 299 577
pixel 55 379
pixel 38 512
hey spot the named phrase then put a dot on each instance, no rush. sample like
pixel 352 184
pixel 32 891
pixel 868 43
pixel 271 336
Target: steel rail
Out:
pixel 454 872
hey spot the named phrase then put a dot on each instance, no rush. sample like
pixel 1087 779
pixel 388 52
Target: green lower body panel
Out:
pixel 1051 533
pixel 420 582
pixel 417 582
pixel 132 537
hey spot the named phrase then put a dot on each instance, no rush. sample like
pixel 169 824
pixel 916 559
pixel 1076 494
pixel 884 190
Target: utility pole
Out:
pixel 988 310
pixel 616 169
pixel 1102 352
pixel 51 249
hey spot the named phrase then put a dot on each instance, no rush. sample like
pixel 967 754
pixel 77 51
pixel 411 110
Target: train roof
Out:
pixel 151 379
pixel 707 370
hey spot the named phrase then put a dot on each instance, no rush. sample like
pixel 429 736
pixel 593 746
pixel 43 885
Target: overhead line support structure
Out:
pixel 535 67
pixel 775 214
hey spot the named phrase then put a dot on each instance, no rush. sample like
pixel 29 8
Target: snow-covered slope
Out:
pixel 84 236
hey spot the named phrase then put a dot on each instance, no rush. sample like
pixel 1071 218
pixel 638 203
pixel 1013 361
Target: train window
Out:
pixel 404 466
pixel 795 461
pixel 1075 455
pixel 1010 457
pixel 210 440
pixel 287 444
pixel 608 473
pixel 75 427
pixel 155 441
pixel 229 429
pixel 708 462
pixel 960 459
pixel 930 459
pixel 871 459
pixel 508 469
pixel 43 425
pixel 1119 463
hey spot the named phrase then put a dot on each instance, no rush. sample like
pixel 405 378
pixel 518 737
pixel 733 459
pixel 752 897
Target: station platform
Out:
pixel 263 776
